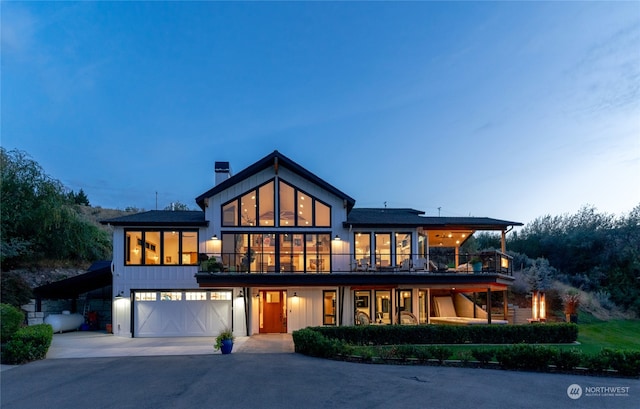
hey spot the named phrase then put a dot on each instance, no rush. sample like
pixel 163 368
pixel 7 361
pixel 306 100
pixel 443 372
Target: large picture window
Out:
pixel 277 252
pixel 257 207
pixel 161 247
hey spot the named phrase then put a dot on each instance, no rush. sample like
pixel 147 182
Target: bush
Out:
pixel 596 363
pixel 312 343
pixel 440 353
pixel 627 363
pixel 525 356
pixel 567 359
pixel 11 319
pixel 451 334
pixel 28 344
pixel 484 356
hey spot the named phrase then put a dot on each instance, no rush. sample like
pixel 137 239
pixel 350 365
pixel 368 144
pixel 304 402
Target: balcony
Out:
pixel 485 262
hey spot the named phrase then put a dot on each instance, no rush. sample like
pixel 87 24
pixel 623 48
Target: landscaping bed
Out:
pixel 351 344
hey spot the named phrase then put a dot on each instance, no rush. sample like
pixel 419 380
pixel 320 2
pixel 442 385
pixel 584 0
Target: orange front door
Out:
pixel 274 312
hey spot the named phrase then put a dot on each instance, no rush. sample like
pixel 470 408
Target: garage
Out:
pixel 176 313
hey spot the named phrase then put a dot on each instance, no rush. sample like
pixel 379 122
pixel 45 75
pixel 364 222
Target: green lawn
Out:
pixel 594 335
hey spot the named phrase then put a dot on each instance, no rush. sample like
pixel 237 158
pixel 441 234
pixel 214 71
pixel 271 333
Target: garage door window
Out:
pixel 221 295
pixel 146 296
pixel 170 296
pixel 196 295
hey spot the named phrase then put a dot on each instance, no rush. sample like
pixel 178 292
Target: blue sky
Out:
pixel 510 110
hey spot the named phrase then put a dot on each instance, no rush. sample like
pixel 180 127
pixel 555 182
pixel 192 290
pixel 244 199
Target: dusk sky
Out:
pixel 511 110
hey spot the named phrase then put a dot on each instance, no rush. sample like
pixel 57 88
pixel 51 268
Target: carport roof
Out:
pixel 97 276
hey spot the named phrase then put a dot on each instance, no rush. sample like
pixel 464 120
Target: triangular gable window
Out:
pixel 256 207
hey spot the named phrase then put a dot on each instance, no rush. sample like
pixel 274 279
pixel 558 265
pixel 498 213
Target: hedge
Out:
pixel 28 344
pixel 521 356
pixel 11 319
pixel 560 333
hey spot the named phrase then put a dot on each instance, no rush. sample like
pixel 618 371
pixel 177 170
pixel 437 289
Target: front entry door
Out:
pixel 274 312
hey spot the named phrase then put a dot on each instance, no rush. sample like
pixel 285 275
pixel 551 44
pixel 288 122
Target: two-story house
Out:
pixel 276 248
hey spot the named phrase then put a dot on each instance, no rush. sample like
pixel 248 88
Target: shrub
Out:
pixel 567 359
pixel 28 344
pixel 596 363
pixel 451 334
pixel 440 353
pixel 627 363
pixel 525 356
pixel 313 343
pixel 10 320
pixel 484 356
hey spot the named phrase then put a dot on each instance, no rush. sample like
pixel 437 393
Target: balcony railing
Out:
pixel 263 263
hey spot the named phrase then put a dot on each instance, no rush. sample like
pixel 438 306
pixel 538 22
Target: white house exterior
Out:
pixel 292 251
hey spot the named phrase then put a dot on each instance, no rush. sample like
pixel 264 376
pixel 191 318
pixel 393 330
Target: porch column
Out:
pixel 505 306
pixel 489 305
pixel 503 242
pixel 474 304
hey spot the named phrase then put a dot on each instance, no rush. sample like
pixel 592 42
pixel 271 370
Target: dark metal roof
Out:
pixel 97 276
pixel 493 280
pixel 374 217
pixel 158 218
pixel 274 159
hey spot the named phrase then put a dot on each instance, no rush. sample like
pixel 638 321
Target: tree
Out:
pixel 539 274
pixel 39 220
pixel 79 198
pixel 177 206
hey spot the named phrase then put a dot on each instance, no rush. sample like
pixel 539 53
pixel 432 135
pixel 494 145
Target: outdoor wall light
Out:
pixel 241 294
pixel 120 295
pixel 295 294
pixel 214 237
pixel 337 238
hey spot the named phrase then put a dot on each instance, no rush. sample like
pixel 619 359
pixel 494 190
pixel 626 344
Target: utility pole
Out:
pixel 156 200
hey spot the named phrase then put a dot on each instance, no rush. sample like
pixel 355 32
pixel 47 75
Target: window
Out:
pixel 362 308
pixel 195 295
pixel 161 247
pixel 277 252
pixel 383 249
pixel 257 207
pixel 383 307
pixel 329 307
pixel 221 295
pixel 170 296
pixel 362 246
pixel 404 303
pixel 297 208
pixel 147 296
pixel 403 248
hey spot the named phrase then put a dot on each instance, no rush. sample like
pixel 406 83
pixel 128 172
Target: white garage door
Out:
pixel 181 313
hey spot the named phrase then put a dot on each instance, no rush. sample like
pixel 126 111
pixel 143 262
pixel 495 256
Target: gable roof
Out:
pixel 374 217
pixel 275 159
pixel 159 218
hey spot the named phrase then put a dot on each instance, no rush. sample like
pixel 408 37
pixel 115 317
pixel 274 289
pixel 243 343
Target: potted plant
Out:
pixel 476 264
pixel 571 303
pixel 212 265
pixel 224 341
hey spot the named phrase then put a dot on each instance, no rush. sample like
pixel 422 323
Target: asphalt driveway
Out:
pixel 288 380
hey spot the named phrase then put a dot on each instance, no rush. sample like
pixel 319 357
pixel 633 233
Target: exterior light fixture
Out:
pixel 120 295
pixel 214 237
pixel 295 294
pixel 337 238
pixel 241 294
